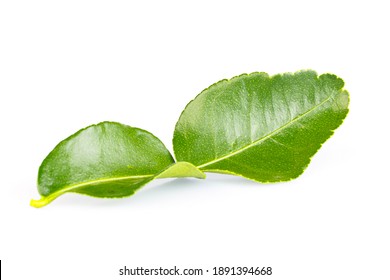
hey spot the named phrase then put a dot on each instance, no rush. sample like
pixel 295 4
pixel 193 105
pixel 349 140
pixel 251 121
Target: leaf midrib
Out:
pixel 267 136
pixel 47 199
pixel 104 180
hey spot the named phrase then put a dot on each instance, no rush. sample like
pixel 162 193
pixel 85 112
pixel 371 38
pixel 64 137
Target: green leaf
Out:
pixel 260 127
pixel 107 160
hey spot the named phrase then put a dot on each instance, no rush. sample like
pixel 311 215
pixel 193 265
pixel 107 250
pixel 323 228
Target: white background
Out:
pixel 67 64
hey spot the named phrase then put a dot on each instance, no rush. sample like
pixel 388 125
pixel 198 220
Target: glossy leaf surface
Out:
pixel 106 160
pixel 262 127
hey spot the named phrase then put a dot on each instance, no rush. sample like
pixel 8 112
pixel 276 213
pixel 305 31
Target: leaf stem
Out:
pixel 38 203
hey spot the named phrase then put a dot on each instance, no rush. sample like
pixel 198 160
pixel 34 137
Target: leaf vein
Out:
pixel 269 135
